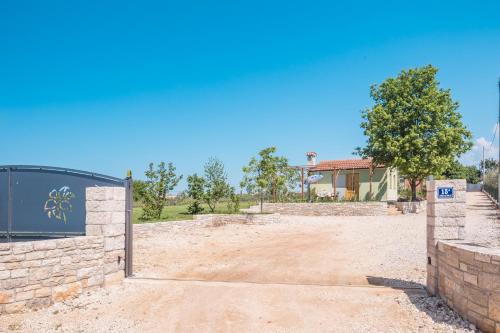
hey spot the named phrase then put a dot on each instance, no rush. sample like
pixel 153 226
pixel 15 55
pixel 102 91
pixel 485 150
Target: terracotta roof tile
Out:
pixel 343 165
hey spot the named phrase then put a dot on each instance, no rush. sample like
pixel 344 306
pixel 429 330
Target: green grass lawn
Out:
pixel 179 212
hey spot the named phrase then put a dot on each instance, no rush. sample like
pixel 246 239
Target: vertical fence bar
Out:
pixel 129 234
pixel 9 205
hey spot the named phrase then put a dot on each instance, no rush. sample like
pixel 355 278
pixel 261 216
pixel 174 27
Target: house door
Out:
pixel 352 186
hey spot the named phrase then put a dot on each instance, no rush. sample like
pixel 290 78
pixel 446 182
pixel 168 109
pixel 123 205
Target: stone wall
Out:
pixel 207 220
pixel 371 208
pixel 414 207
pixel 106 218
pixel 223 219
pixel 469 282
pixel 465 275
pixel 35 274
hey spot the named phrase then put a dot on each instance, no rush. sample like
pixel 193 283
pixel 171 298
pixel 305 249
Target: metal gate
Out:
pixel 42 202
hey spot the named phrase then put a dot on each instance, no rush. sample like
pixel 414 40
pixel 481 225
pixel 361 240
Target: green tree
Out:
pixel 490 164
pixel 139 188
pixel 159 182
pixel 458 171
pixel 216 186
pixel 269 175
pixel 233 205
pixel 414 126
pixel 195 191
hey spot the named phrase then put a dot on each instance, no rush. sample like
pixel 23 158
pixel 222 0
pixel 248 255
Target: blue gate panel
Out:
pixel 47 201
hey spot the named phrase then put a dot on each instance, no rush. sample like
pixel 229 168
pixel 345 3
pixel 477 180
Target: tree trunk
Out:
pixel 413 184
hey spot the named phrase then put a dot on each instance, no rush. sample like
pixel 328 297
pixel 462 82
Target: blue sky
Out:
pixel 110 86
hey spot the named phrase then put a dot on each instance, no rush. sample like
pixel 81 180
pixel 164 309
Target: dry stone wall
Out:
pixel 207 220
pixel 35 274
pixel 465 275
pixel 469 282
pixel 325 209
pixel 223 219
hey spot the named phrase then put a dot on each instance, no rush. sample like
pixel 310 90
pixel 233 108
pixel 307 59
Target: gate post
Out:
pixel 129 233
pixel 446 209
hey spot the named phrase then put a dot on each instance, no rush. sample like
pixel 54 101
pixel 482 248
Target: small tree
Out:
pixel 233 205
pixel 269 175
pixel 159 183
pixel 216 186
pixel 196 192
pixel 414 126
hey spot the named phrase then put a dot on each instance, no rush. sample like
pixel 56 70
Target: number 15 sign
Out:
pixel 445 192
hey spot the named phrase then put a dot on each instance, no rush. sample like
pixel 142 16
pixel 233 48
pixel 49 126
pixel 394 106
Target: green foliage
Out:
pixel 490 164
pixel 414 126
pixel 139 189
pixel 233 205
pixel 216 186
pixel 269 175
pixel 490 184
pixel 196 192
pixel 159 183
pixel 458 171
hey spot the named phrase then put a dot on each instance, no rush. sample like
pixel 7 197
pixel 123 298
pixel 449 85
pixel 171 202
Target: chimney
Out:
pixel 311 158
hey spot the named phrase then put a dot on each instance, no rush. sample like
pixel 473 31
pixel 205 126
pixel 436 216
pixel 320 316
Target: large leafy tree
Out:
pixel 159 182
pixel 269 175
pixel 414 126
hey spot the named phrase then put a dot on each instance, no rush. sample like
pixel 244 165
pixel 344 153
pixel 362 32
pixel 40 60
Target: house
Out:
pixel 353 179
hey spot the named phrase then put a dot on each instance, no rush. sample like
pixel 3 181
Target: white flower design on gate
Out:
pixel 59 203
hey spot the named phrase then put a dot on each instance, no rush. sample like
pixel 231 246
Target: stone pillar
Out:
pixel 445 220
pixel 106 217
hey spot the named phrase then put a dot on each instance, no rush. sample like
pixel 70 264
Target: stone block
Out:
pixel 15 307
pixel 95 193
pixel 35 255
pixel 483 257
pixel 4 274
pixel 483 311
pixel 19 273
pixel 41 273
pixel 113 229
pixel 93 230
pixel 489 281
pixel 470 278
pixel 22 247
pixel 25 295
pixel 439 221
pixel 98 217
pixel 119 193
pixel 118 217
pixel 64 292
pixel 43 292
pixel 6 296
pixel 65 243
pixel 114 243
pixel 45 245
pixel 446 209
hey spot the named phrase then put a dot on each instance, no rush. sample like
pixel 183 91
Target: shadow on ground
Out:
pixel 432 306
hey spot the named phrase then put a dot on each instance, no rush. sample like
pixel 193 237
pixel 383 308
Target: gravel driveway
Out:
pixel 304 274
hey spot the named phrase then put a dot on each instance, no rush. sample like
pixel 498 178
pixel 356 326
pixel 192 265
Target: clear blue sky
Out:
pixel 109 86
